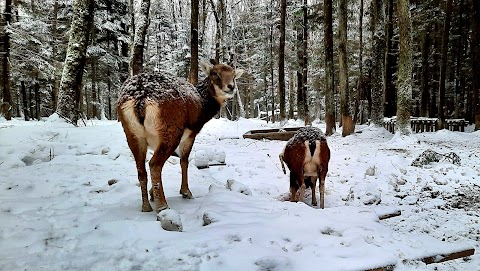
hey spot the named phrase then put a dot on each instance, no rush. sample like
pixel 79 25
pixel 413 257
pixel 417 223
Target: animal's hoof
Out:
pixel 147 208
pixel 186 195
pixel 162 207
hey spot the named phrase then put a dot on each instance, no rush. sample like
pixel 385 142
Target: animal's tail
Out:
pixel 281 162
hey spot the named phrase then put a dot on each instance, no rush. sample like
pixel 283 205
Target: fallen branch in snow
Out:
pixel 439 258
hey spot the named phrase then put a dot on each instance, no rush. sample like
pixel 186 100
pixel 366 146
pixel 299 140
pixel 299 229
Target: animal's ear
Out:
pixel 238 73
pixel 213 61
pixel 205 67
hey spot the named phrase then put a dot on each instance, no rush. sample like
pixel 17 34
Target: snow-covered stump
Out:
pixel 170 220
pixel 238 187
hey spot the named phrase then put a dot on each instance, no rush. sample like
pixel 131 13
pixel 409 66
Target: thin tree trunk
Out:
pixel 404 96
pixel 443 66
pixel 475 44
pixel 300 95
pixel 291 94
pixel 305 63
pixel 193 77
pixel 360 63
pixel 54 93
pixel 281 59
pixel 70 85
pixel 347 121
pixel 7 95
pixel 424 90
pixel 23 90
pixel 458 74
pixel 329 75
pixel 377 76
pixel 136 62
pixel 37 99
pixel 388 86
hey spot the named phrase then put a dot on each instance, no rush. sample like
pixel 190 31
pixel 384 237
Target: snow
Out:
pixel 69 200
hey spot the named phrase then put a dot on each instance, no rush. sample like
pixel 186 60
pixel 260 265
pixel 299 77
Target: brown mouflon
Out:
pixel 165 113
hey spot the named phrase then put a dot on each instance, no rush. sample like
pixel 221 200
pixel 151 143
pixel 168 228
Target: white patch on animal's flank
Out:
pixel 312 163
pixel 152 125
pixel 131 119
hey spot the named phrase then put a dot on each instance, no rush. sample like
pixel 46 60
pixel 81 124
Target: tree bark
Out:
pixel 136 62
pixel 7 95
pixel 360 63
pixel 71 82
pixel 300 88
pixel 305 63
pixel 377 76
pixel 475 44
pixel 404 93
pixel 193 77
pixel 424 90
pixel 281 59
pixel 329 76
pixel 388 86
pixel 23 90
pixel 291 93
pixel 347 121
pixel 443 66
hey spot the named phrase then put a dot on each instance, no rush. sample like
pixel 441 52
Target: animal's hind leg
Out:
pixel 138 146
pixel 156 165
pixel 313 179
pixel 321 185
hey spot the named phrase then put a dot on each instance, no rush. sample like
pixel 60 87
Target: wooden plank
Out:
pixel 212 165
pixel 390 215
pixel 272 134
pixel 383 268
pixel 439 258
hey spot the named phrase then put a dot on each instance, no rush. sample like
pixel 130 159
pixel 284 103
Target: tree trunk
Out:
pixel 218 32
pixel 193 77
pixel 329 75
pixel 291 94
pixel 7 95
pixel 475 44
pixel 360 63
pixel 37 99
pixel 136 61
pixel 71 82
pixel 25 101
pixel 281 59
pixel 443 66
pixel 305 63
pixel 459 88
pixel 404 96
pixel 424 93
pixel 388 86
pixel 347 121
pixel 54 93
pixel 300 95
pixel 377 76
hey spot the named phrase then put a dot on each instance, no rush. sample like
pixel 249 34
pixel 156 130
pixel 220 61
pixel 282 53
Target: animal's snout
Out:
pixel 231 87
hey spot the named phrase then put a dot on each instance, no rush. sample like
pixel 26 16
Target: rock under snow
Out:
pixel 238 187
pixel 170 220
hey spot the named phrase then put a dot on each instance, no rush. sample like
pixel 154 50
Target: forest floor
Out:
pixel 69 200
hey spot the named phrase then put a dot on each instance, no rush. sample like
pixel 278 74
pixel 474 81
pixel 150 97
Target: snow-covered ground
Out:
pixel 59 212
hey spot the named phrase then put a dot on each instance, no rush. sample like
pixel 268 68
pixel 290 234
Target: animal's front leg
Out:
pixel 185 147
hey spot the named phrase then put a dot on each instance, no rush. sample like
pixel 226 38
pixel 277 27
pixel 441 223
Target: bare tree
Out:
pixel 7 95
pixel 281 59
pixel 404 94
pixel 443 65
pixel 136 61
pixel 378 52
pixel 329 76
pixel 475 43
pixel 347 121
pixel 193 77
pixel 71 82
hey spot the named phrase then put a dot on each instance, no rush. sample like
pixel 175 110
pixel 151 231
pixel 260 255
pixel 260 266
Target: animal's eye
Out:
pixel 215 75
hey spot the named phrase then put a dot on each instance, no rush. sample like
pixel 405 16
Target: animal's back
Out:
pixel 157 87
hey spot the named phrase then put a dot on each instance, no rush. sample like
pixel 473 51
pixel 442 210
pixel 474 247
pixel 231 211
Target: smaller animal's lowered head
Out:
pixel 222 79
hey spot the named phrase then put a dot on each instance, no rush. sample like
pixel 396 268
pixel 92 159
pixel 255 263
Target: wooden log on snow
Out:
pixel 439 258
pixel 389 215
